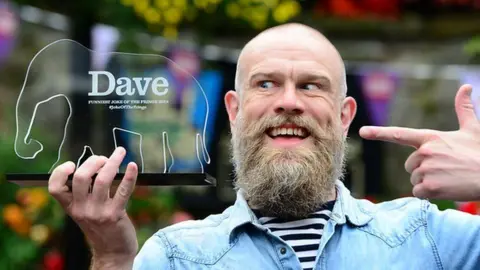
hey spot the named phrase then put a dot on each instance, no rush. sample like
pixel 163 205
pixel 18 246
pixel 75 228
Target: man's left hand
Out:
pixel 445 165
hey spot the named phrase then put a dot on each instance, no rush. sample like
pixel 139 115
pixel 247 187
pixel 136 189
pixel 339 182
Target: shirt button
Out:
pixel 283 251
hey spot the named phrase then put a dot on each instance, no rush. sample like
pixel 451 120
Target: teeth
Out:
pixel 287 131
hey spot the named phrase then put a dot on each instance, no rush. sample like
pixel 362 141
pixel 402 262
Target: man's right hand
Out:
pixel 102 218
pixel 445 164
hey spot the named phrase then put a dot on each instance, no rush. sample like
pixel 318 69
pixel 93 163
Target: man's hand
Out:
pixel 103 219
pixel 445 165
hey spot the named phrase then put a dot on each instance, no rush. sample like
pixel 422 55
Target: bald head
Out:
pixel 290 40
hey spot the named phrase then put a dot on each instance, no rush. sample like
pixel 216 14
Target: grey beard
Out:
pixel 286 183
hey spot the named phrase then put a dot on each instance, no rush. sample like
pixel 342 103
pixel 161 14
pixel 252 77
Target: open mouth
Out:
pixel 288 131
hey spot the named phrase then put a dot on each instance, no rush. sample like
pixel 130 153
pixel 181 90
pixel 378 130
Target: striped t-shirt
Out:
pixel 302 235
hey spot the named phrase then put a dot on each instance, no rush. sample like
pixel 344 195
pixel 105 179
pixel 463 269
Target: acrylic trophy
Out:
pixel 69 109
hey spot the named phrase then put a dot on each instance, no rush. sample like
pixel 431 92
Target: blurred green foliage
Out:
pixel 30 218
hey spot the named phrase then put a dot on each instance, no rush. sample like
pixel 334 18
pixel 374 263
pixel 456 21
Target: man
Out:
pixel 289 118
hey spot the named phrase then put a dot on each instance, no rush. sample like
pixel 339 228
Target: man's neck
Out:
pixel 332 197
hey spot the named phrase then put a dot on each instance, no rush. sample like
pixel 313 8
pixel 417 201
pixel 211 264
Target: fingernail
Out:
pixel 72 164
pixel 365 129
pixel 118 151
pixel 132 164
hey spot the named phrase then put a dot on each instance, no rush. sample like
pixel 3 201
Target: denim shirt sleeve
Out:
pixel 152 255
pixel 455 237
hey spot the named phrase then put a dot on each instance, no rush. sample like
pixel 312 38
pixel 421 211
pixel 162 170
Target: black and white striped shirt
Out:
pixel 302 235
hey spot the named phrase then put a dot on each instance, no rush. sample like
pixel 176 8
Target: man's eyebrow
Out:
pixel 321 78
pixel 311 77
pixel 265 75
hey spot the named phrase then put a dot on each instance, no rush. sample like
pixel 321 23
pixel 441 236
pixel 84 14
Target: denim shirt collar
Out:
pixel 346 209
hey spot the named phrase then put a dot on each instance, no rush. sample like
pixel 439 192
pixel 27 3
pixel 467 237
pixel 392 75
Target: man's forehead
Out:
pixel 290 36
pixel 292 42
pixel 296 67
pixel 291 58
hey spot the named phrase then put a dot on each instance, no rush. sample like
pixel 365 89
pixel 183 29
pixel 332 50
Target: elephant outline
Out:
pixel 199 138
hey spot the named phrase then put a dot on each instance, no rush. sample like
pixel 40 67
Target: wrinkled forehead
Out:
pixel 292 57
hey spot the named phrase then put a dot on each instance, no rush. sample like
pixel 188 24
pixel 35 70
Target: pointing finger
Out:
pixel 399 135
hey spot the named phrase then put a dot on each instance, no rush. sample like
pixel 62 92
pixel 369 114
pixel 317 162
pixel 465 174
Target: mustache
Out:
pixel 259 127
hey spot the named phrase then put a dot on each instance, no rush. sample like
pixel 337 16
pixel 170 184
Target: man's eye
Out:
pixel 266 84
pixel 310 86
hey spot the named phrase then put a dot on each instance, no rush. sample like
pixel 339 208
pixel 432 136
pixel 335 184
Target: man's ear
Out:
pixel 348 111
pixel 232 104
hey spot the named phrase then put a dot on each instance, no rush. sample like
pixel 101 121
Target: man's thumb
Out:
pixel 464 107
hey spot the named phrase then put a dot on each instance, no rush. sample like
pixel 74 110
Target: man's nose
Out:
pixel 289 101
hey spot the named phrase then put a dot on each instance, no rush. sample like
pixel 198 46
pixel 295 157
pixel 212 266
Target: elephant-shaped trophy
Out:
pixel 127 103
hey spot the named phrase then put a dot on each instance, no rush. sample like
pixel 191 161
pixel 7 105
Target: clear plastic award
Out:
pixel 67 110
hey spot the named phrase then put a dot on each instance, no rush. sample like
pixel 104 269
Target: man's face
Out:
pixel 288 132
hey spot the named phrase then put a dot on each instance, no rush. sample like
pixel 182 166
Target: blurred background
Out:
pixel 405 61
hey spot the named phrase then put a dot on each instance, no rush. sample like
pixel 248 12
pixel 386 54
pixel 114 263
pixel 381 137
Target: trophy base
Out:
pixel 143 179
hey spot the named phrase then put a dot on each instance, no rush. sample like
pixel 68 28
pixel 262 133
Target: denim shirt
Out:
pixel 406 233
